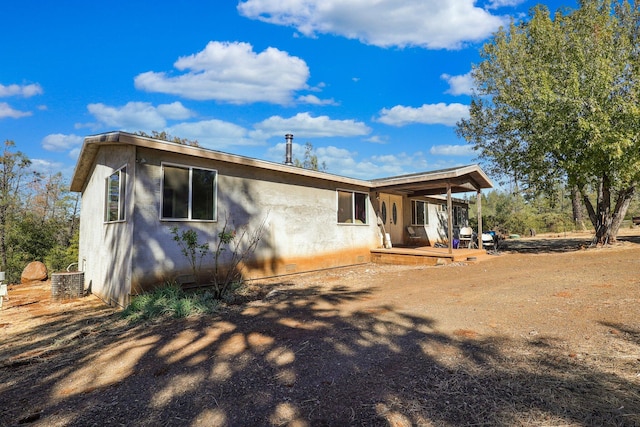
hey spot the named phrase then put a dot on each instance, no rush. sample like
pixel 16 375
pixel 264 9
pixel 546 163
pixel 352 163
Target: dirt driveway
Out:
pixel 546 333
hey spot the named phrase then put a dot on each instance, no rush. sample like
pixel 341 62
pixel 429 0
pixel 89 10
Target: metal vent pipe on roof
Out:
pixel 289 149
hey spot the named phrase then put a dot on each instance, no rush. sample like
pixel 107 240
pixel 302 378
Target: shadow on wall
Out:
pixel 158 258
pixel 443 227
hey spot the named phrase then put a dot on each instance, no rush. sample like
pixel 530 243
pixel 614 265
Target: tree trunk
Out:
pixel 3 241
pixel 607 223
pixel 74 219
pixel 622 205
pixel 578 219
pixel 603 213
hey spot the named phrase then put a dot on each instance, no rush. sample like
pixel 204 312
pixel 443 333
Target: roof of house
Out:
pixel 460 179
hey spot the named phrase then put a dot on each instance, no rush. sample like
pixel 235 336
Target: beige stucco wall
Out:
pixel 105 248
pixel 298 214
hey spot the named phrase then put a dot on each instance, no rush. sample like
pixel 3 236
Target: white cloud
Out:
pixel 430 114
pixel 433 24
pixel 305 126
pixel 400 164
pixel 339 161
pixel 377 139
pixel 314 100
pixel 46 166
pixel 25 91
pixel 174 111
pixel 136 116
pixel 343 162
pixel 61 142
pixel 459 85
pixel 7 111
pixel 232 72
pixel 214 134
pixel 496 4
pixel 452 150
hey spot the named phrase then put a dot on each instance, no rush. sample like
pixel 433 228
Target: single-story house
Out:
pixel 136 189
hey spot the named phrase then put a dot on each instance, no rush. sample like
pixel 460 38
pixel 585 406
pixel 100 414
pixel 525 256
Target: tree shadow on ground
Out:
pixel 566 243
pixel 301 359
pixel 541 245
pixel 630 239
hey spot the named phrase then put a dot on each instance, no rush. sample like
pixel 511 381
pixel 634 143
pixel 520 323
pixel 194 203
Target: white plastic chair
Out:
pixel 466 237
pixel 488 242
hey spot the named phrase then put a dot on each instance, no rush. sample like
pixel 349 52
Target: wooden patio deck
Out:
pixel 425 255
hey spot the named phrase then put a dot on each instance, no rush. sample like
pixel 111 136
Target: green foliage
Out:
pixel 32 236
pixel 557 101
pixel 172 301
pixel 231 250
pixel 512 213
pixel 310 160
pixel 38 216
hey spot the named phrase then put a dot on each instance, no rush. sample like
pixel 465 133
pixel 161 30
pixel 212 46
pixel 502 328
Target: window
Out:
pixel 114 204
pixel 459 215
pixel 419 212
pixel 384 212
pixel 394 213
pixel 188 193
pixel 352 207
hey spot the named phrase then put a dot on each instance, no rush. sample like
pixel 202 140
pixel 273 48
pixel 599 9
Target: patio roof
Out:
pixel 460 179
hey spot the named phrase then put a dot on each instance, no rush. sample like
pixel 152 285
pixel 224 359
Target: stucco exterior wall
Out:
pixel 105 248
pixel 298 216
pixel 295 211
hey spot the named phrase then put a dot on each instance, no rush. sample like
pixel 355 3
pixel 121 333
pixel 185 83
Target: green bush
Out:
pixel 170 300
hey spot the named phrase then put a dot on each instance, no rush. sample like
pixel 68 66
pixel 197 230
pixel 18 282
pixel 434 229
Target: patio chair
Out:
pixel 466 237
pixel 412 234
pixel 489 243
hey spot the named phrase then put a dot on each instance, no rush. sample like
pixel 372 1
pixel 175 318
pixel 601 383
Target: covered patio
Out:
pixel 463 179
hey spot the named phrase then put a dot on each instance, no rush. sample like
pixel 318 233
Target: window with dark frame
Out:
pixel 115 196
pixel 459 216
pixel 188 193
pixel 419 212
pixel 352 207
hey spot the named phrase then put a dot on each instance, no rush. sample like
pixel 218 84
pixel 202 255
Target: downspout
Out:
pixel 479 209
pixel 449 218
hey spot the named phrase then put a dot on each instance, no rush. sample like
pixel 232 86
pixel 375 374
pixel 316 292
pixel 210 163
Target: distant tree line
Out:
pixel 518 212
pixel 39 216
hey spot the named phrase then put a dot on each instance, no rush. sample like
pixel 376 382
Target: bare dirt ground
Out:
pixel 546 333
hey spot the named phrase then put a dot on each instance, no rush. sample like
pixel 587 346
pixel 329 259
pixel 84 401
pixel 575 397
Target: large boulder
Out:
pixel 34 272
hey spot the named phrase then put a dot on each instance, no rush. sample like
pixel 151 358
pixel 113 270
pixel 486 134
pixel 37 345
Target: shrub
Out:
pixel 170 300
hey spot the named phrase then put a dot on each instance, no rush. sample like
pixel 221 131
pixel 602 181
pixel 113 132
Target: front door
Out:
pixel 391 215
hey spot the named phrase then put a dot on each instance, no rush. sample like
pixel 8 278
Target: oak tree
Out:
pixel 557 100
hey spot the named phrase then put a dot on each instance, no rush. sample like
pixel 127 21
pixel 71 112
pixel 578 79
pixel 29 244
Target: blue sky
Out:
pixel 376 87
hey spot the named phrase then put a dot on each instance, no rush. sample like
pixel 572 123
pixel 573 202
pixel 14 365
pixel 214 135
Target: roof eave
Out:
pixel 94 142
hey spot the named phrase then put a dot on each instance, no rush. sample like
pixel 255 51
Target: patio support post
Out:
pixel 479 206
pixel 449 218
